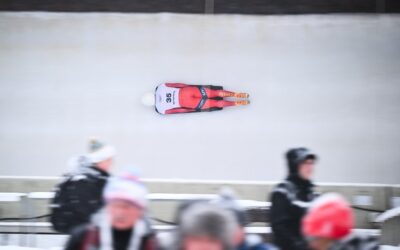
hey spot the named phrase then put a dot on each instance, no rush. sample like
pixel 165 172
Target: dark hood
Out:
pixel 296 156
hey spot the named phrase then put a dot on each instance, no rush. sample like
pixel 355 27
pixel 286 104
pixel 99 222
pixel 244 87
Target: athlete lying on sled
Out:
pixel 173 98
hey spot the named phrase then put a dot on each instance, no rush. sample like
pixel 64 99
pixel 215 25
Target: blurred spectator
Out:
pixel 291 198
pixel 205 226
pixel 123 224
pixel 227 202
pixel 242 241
pixel 80 194
pixel 329 223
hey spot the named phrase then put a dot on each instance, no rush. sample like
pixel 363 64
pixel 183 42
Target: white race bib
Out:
pixel 166 98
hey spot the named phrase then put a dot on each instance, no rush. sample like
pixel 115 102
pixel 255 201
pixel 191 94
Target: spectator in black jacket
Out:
pixel 123 224
pixel 80 194
pixel 291 198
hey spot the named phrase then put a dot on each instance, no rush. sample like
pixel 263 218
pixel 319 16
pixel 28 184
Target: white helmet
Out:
pixel 149 99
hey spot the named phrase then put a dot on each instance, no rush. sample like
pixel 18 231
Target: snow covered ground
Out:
pixel 329 82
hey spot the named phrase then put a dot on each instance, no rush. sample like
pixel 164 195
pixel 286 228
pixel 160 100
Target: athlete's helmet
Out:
pixel 149 99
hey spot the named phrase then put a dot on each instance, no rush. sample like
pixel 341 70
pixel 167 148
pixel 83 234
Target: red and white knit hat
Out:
pixel 330 216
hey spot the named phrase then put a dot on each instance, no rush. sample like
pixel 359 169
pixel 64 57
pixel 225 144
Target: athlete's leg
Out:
pixel 211 93
pixel 210 103
pixel 242 95
pixel 217 104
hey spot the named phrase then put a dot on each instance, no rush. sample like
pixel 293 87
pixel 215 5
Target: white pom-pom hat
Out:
pixel 98 151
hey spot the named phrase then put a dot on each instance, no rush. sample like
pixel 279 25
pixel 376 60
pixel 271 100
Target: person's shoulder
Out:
pixel 150 241
pixel 160 87
pixel 255 242
pixel 266 246
pixel 282 187
pixel 283 191
pixel 370 242
pixel 81 229
pixel 358 241
pixel 282 184
pixel 88 180
pixel 78 235
pixel 92 173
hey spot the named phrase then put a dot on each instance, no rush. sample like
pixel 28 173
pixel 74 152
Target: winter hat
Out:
pixel 296 156
pixel 330 216
pixel 98 151
pixel 126 187
pixel 209 220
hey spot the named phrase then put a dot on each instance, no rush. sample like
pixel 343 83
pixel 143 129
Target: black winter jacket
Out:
pixel 290 200
pixel 77 198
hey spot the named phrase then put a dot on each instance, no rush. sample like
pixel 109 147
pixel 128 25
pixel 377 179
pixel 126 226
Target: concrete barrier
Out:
pixel 368 196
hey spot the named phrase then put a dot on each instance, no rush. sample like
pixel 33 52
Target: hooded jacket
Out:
pixel 290 200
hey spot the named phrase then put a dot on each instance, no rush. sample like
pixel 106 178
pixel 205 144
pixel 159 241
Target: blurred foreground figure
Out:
pixel 328 226
pixel 173 98
pixel 80 193
pixel 228 205
pixel 123 224
pixel 242 241
pixel 291 198
pixel 205 226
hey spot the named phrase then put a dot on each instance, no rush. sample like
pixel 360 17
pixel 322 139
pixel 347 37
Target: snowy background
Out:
pixel 331 83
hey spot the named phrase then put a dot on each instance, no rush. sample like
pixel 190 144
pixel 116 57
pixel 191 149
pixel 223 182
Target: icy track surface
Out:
pixel 327 82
